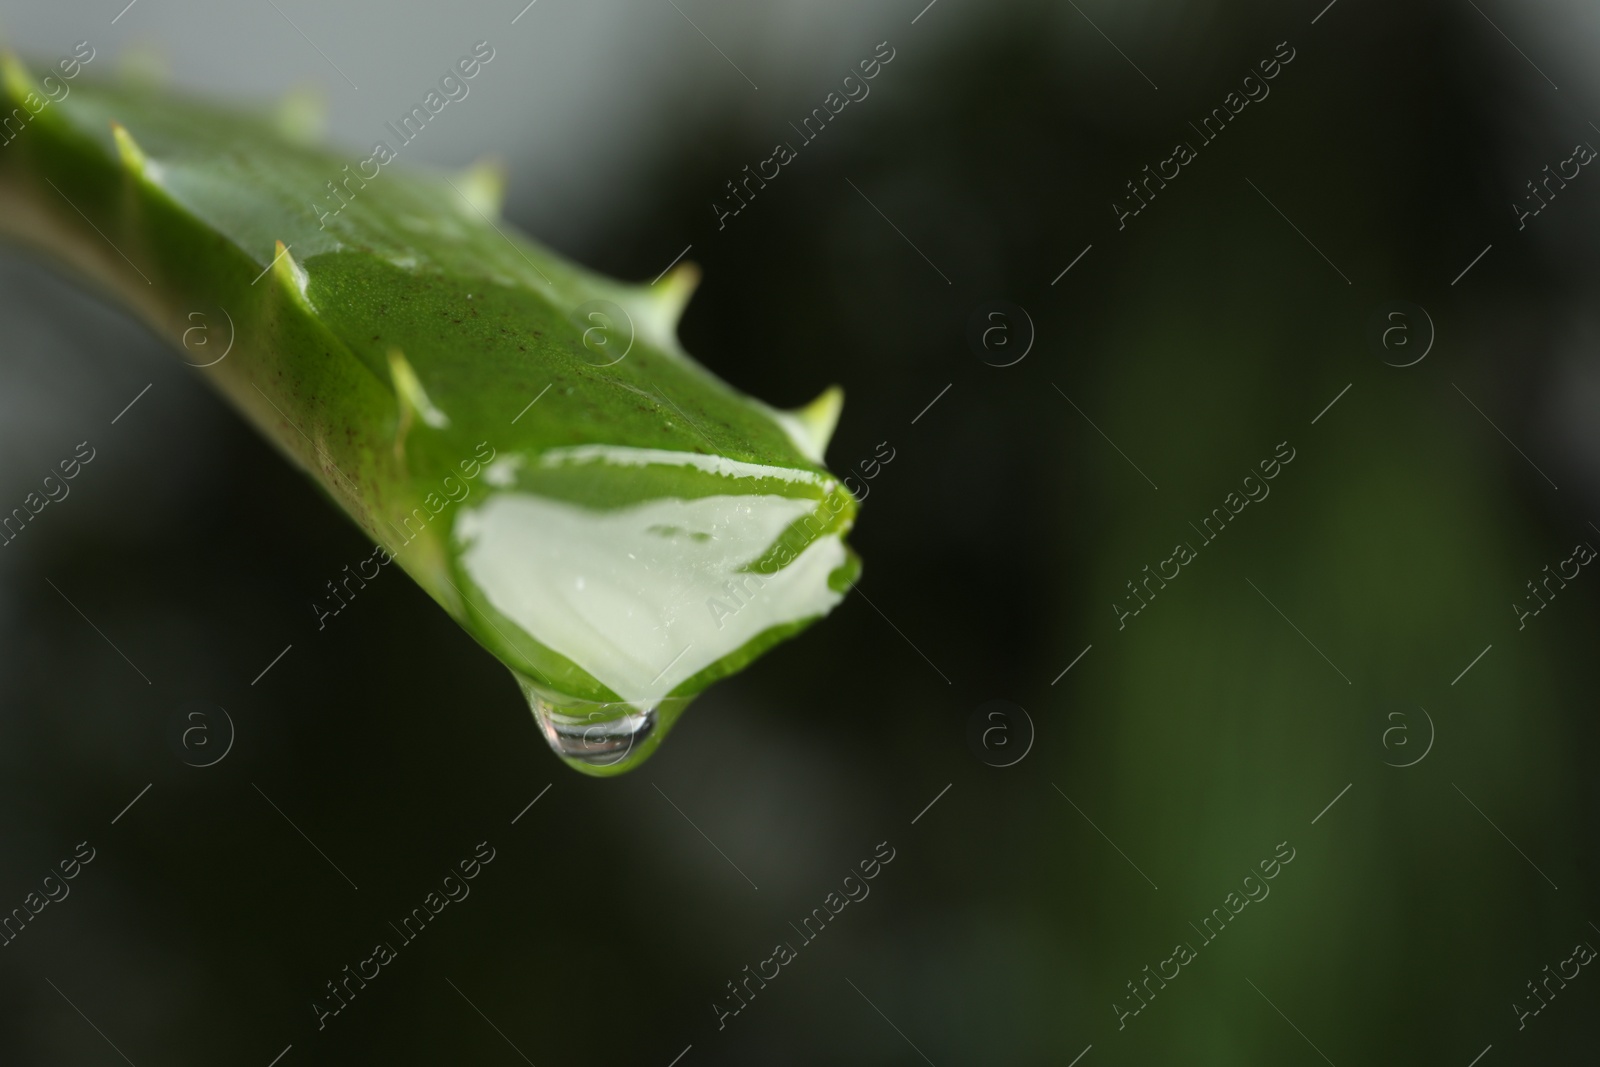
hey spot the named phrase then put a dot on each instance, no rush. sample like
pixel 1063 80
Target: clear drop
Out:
pixel 601 738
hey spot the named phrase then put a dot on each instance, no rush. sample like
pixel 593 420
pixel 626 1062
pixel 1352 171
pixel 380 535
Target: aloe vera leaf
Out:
pixel 524 437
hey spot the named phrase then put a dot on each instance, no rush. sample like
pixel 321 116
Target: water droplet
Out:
pixel 601 738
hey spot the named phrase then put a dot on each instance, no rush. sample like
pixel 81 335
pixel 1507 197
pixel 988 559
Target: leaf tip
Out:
pixel 14 75
pixel 658 307
pixel 811 427
pixel 302 115
pixel 483 186
pixel 677 286
pixel 413 398
pixel 128 149
pixel 289 274
pixel 143 67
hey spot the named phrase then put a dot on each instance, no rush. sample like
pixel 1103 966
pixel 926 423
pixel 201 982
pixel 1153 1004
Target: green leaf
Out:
pixel 524 437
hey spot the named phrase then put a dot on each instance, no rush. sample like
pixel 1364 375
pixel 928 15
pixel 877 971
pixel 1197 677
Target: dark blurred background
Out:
pixel 1328 636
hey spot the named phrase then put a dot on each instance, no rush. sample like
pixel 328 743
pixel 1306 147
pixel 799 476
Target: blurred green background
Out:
pixel 1177 753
